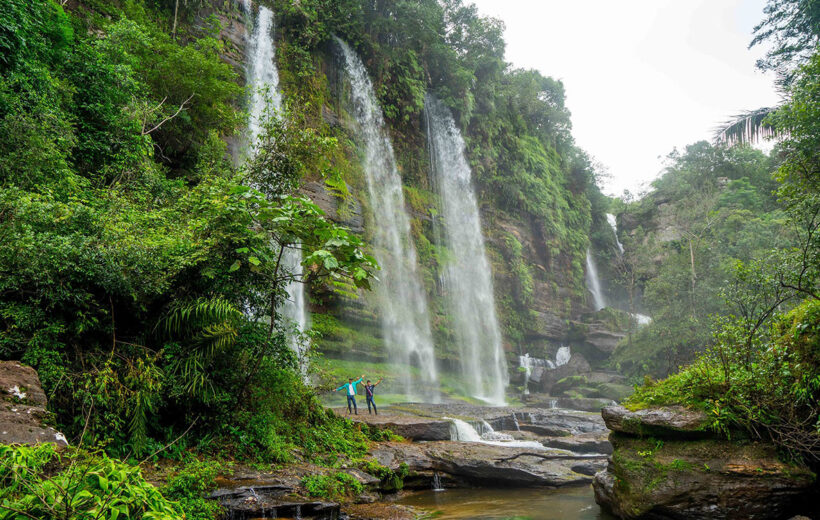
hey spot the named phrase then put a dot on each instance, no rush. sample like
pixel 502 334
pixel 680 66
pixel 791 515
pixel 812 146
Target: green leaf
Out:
pixel 236 265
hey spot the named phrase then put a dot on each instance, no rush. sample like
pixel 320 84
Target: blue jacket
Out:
pixel 353 384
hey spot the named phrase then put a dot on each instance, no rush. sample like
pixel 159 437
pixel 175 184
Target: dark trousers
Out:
pixel 369 402
pixel 352 399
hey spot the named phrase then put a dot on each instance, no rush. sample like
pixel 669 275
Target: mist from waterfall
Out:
pixel 468 275
pixel 613 223
pixel 262 76
pixel 594 283
pixel 403 305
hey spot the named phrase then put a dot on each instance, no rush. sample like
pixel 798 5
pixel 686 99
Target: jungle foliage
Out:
pixel 760 374
pixel 139 272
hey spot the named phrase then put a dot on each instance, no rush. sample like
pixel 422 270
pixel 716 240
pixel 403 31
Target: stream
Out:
pixel 568 503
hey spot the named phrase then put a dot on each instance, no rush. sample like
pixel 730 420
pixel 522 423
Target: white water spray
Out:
pixel 562 356
pixel 466 432
pixel 594 283
pixel 613 223
pixel 263 79
pixel 405 320
pixel 468 275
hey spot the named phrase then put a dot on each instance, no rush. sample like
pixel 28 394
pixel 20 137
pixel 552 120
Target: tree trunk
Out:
pixel 176 10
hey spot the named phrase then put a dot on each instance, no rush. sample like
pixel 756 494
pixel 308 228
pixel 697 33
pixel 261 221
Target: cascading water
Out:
pixel 266 101
pixel 405 320
pixel 562 356
pixel 468 274
pixel 640 319
pixel 465 432
pixel 594 283
pixel 613 223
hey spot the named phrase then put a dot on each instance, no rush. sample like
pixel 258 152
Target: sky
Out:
pixel 642 77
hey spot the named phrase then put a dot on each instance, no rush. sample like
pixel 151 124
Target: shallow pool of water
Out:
pixel 575 503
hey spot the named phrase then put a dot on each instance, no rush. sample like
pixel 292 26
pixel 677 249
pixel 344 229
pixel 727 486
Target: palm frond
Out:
pixel 191 318
pixel 747 127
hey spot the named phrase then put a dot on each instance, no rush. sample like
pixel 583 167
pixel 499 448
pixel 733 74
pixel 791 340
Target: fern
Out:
pixel 204 327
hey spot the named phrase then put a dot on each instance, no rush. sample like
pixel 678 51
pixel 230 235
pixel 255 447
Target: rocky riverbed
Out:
pixel 512 448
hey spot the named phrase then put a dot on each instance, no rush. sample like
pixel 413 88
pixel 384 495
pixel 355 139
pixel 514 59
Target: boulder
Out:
pixel 584 443
pixel 480 464
pixel 603 340
pixel 664 421
pixel 23 407
pixel 576 365
pixel 583 404
pixel 408 426
pixel 700 479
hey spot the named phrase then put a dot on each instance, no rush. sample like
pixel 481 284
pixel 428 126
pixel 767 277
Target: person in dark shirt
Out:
pixel 368 393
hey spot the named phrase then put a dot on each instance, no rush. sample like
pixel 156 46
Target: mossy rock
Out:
pixel 705 478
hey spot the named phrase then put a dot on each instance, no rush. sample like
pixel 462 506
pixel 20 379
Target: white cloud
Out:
pixel 641 76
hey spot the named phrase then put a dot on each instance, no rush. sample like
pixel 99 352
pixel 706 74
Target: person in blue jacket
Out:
pixel 351 394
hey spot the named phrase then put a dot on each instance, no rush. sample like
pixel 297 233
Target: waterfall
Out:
pixel 563 356
pixel 466 432
pixel 263 80
pixel 640 319
pixel 403 306
pixel 525 362
pixel 463 431
pixel 468 274
pixel 594 283
pixel 613 223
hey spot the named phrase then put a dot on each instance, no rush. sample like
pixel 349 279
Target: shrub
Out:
pixel 39 482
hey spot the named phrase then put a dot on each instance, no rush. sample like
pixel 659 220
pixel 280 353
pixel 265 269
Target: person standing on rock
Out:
pixel 351 394
pixel 368 394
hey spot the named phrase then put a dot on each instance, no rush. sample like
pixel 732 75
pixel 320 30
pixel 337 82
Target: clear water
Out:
pixel 402 300
pixel 467 275
pixel 572 503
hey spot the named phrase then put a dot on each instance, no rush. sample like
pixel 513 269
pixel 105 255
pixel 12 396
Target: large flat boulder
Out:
pixel 410 427
pixel 23 407
pixel 701 479
pixel 480 464
pixel 674 421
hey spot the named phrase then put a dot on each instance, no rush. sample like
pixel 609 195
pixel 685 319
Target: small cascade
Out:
pixel 468 275
pixel 266 100
pixel 563 356
pixel 463 431
pixel 466 432
pixel 594 283
pixel 437 482
pixel 529 363
pixel 525 362
pixel 553 403
pixel 515 422
pixel 613 223
pixel 403 304
pixel 641 319
pixel 294 309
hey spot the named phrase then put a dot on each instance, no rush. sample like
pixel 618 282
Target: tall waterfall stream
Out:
pixel 266 100
pixel 468 277
pixel 403 305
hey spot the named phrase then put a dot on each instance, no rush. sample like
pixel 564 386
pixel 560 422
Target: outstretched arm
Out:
pixel 379 381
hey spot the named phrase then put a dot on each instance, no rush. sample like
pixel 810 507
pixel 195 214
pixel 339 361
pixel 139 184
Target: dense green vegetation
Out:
pixel 760 374
pixel 525 164
pixel 140 274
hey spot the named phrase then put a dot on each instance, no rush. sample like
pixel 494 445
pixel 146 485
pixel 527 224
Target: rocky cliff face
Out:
pixel 667 464
pixel 23 413
pixel 537 288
